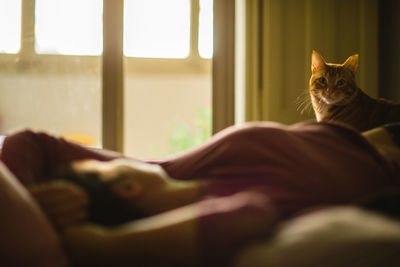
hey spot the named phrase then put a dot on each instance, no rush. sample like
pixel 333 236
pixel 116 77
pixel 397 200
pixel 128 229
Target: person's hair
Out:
pixel 105 208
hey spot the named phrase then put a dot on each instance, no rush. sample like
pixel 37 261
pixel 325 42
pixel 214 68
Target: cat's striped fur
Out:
pixel 335 96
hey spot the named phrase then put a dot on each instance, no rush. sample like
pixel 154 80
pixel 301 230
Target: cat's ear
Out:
pixel 317 62
pixel 352 63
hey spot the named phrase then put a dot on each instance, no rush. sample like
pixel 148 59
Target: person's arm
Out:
pixel 64 203
pixel 169 237
pixel 33 156
pixel 178 237
pixel 166 239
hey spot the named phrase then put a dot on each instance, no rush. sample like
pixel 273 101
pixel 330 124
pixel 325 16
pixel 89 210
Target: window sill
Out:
pixel 91 65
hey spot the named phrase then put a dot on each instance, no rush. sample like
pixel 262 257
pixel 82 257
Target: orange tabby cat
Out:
pixel 335 96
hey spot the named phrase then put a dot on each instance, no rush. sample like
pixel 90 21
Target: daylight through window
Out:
pixel 10 26
pixel 157 28
pixel 72 27
pixel 206 28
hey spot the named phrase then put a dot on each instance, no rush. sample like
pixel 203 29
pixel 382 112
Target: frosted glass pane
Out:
pixel 166 114
pixel 206 28
pixel 61 94
pixel 157 28
pixel 67 105
pixel 69 27
pixel 10 26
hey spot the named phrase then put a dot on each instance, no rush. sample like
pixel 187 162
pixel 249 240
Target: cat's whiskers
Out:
pixel 303 102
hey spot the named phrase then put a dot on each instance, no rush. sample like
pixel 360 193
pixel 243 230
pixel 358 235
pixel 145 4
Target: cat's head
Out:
pixel 333 84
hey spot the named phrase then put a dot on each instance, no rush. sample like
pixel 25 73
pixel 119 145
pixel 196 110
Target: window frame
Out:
pixel 222 67
pixel 28 61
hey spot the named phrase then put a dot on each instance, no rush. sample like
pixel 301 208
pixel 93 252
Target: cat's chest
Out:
pixel 321 115
pixel 321 109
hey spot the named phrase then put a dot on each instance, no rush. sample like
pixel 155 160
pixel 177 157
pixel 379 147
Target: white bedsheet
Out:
pixel 343 236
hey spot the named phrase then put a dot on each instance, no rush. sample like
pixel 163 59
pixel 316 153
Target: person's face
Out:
pixel 129 179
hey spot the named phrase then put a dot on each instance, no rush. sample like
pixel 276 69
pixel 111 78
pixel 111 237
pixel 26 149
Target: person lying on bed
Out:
pixel 202 206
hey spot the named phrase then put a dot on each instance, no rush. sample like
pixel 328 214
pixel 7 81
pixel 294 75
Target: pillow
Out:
pixel 27 237
pixel 341 236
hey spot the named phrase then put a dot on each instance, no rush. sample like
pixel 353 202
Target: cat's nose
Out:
pixel 328 92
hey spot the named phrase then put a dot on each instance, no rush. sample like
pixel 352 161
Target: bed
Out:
pixel 341 236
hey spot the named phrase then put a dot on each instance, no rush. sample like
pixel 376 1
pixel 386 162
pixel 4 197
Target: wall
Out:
pixel 389 54
pixel 287 32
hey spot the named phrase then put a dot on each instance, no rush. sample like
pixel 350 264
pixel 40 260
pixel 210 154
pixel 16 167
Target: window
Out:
pixel 152 28
pixel 167 81
pixel 51 76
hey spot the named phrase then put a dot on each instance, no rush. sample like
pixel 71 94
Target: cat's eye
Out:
pixel 321 80
pixel 340 82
